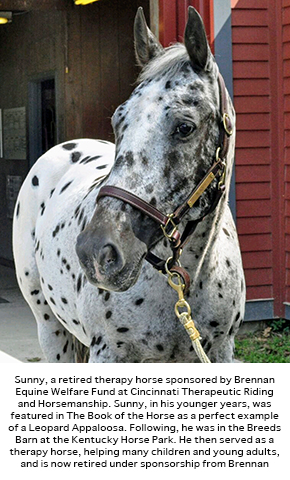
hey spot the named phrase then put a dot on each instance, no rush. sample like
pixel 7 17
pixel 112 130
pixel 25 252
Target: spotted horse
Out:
pixel 82 266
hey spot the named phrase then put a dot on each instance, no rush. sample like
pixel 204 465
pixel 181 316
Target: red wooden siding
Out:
pixel 173 17
pixel 286 98
pixel 261 53
pixel 252 98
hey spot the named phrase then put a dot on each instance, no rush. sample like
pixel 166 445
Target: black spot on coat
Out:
pixel 214 324
pixel 75 156
pixel 77 211
pixel 129 159
pixel 237 316
pixel 101 167
pixel 55 231
pixel 65 347
pixel 139 301
pixel 160 347
pixel 79 283
pixel 35 181
pixel 69 146
pixel 65 187
pixel 90 159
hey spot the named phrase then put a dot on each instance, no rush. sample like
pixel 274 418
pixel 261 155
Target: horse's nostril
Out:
pixel 108 255
pixel 109 258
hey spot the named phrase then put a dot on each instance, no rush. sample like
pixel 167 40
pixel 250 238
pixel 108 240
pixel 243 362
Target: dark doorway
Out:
pixel 42 117
pixel 48 114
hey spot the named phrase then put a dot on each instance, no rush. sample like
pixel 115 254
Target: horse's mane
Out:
pixel 170 61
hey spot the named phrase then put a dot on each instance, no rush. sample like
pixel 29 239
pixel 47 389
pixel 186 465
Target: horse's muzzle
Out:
pixel 100 257
pixel 110 257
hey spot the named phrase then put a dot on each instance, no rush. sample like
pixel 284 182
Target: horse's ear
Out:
pixel 195 40
pixel 146 44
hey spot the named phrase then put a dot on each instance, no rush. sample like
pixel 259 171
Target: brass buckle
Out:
pixel 170 223
pixel 227 124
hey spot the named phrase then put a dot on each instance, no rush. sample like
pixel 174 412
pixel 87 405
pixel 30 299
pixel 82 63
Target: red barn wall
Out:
pixel 286 124
pixel 258 59
pixel 252 99
pixel 173 17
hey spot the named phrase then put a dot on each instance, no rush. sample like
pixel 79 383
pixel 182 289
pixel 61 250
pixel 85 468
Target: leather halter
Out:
pixel 169 223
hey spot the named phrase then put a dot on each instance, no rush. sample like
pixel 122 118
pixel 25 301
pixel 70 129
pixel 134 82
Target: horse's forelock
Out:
pixel 170 61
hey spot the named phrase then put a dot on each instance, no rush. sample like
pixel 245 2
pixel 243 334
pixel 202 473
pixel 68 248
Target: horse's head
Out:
pixel 167 135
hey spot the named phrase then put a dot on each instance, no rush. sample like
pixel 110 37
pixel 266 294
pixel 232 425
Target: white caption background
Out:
pixel 157 420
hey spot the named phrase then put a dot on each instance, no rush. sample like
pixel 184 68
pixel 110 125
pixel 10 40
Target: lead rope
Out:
pixel 183 312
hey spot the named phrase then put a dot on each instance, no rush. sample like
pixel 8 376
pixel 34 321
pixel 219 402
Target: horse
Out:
pixel 89 213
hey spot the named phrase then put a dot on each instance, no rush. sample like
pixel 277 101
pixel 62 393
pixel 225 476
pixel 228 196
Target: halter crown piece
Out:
pixel 178 278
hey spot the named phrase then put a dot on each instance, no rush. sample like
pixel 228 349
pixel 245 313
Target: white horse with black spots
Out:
pixel 81 266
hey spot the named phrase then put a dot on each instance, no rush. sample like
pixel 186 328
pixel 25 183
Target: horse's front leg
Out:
pixel 56 342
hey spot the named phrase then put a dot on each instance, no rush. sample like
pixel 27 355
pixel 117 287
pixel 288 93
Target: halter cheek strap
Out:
pixel 169 223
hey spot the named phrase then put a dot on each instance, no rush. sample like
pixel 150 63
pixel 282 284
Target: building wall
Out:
pixel 286 124
pixel 90 51
pixel 252 99
pixel 261 159
pixel 173 17
pixel 100 62
pixel 29 45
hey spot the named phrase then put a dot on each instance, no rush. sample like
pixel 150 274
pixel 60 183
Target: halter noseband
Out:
pixel 169 223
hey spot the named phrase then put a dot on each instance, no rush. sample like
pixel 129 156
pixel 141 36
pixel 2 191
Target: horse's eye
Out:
pixel 185 129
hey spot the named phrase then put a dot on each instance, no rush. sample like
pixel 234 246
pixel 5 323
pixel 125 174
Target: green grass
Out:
pixel 270 346
pixel 34 359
